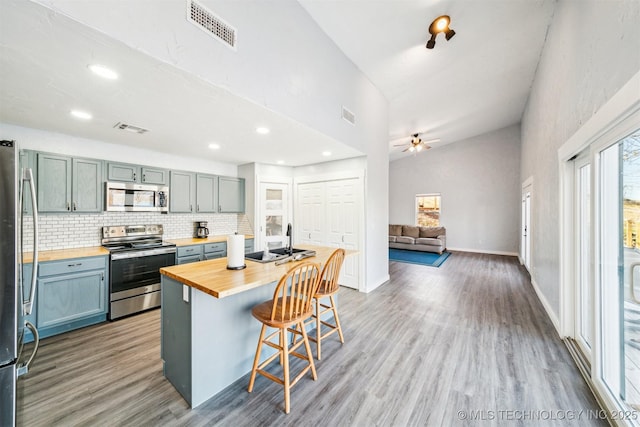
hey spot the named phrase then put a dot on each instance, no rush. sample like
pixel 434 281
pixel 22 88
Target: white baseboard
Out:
pixel 483 251
pixel 377 284
pixel 547 307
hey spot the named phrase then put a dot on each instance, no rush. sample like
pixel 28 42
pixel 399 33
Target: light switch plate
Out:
pixel 185 293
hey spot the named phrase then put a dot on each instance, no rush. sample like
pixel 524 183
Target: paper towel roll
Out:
pixel 235 251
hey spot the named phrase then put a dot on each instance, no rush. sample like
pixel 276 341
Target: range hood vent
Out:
pixel 348 116
pixel 211 24
pixel 131 128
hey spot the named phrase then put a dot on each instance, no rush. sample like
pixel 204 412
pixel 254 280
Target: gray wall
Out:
pixel 583 64
pixel 479 180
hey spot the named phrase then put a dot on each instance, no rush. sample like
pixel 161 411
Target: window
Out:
pixel 428 209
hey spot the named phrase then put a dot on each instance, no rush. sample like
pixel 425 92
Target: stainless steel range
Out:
pixel 137 254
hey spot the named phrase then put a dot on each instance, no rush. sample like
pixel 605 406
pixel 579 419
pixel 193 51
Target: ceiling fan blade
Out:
pixel 406 149
pixel 431 141
pixel 426 147
pixel 399 145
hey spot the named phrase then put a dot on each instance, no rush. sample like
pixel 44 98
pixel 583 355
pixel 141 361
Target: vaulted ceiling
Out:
pixel 474 83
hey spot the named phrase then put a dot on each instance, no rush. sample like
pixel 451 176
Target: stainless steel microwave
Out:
pixel 128 197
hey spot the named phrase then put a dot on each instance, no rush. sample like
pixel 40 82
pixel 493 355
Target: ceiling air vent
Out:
pixel 131 128
pixel 348 116
pixel 213 25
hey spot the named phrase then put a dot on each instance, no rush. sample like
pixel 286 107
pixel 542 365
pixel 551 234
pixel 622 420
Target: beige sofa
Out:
pixel 425 239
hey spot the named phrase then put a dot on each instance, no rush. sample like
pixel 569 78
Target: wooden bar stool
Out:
pixel 328 287
pixel 291 306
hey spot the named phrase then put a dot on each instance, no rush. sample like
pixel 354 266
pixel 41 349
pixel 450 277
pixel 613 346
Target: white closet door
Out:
pixel 343 231
pixel 311 214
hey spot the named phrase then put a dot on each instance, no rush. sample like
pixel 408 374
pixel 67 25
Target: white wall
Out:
pixel 283 61
pixel 35 139
pixel 583 64
pixel 478 180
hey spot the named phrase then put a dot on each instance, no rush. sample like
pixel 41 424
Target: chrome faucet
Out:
pixel 290 235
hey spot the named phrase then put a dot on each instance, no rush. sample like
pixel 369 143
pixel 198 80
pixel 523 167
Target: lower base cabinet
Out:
pixel 206 251
pixel 71 294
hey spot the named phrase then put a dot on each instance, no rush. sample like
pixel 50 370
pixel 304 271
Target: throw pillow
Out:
pixel 411 231
pixel 395 230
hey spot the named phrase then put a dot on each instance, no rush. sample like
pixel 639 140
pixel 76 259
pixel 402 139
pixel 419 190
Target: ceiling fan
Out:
pixel 416 144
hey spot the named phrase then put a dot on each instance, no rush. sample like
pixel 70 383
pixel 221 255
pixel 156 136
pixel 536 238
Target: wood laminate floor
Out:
pixel 464 344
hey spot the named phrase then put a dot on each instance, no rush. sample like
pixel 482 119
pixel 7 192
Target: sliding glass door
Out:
pixel 584 289
pixel 618 270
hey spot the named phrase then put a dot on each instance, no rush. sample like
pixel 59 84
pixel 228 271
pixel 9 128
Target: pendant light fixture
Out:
pixel 440 25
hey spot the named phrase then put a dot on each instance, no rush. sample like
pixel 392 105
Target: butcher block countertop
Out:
pixel 196 241
pixel 60 254
pixel 213 278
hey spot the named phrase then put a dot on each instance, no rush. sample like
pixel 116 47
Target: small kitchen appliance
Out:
pixel 129 197
pixel 202 232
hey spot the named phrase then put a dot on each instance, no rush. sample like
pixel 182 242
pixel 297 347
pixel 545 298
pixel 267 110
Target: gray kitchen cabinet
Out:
pixel 230 195
pixel 54 183
pixel 86 185
pixel 66 184
pixel 187 254
pixel 206 193
pixel 215 250
pixel 71 294
pixel 182 191
pixel 154 176
pixel 123 172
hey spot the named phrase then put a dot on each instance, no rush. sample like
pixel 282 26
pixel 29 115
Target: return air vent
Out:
pixel 131 128
pixel 348 116
pixel 213 25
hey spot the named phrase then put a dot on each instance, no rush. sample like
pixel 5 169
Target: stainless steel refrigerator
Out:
pixel 15 185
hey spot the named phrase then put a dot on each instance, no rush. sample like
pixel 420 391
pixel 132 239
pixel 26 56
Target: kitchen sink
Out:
pixel 273 255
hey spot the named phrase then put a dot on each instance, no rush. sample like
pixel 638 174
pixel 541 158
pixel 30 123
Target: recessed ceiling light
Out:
pixel 103 71
pixel 214 146
pixel 326 153
pixel 81 115
pixel 280 162
pixel 262 130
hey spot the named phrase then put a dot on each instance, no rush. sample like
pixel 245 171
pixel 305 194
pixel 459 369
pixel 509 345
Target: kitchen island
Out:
pixel 209 336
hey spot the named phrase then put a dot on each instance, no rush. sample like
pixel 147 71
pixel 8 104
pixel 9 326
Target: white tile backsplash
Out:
pixel 65 231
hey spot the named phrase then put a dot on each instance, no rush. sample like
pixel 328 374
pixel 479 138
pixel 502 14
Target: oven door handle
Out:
pixel 141 254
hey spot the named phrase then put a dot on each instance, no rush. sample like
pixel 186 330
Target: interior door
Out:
pixel 310 217
pixel 342 228
pixel 274 215
pixel 525 243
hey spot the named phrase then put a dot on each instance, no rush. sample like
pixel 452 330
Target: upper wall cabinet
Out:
pixel 123 172
pixel 230 195
pixel 206 193
pixel 66 184
pixel 182 191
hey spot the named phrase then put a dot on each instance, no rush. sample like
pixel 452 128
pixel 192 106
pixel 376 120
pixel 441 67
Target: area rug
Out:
pixel 417 257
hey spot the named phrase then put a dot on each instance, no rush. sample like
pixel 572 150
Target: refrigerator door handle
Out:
pixel 23 368
pixel 28 176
